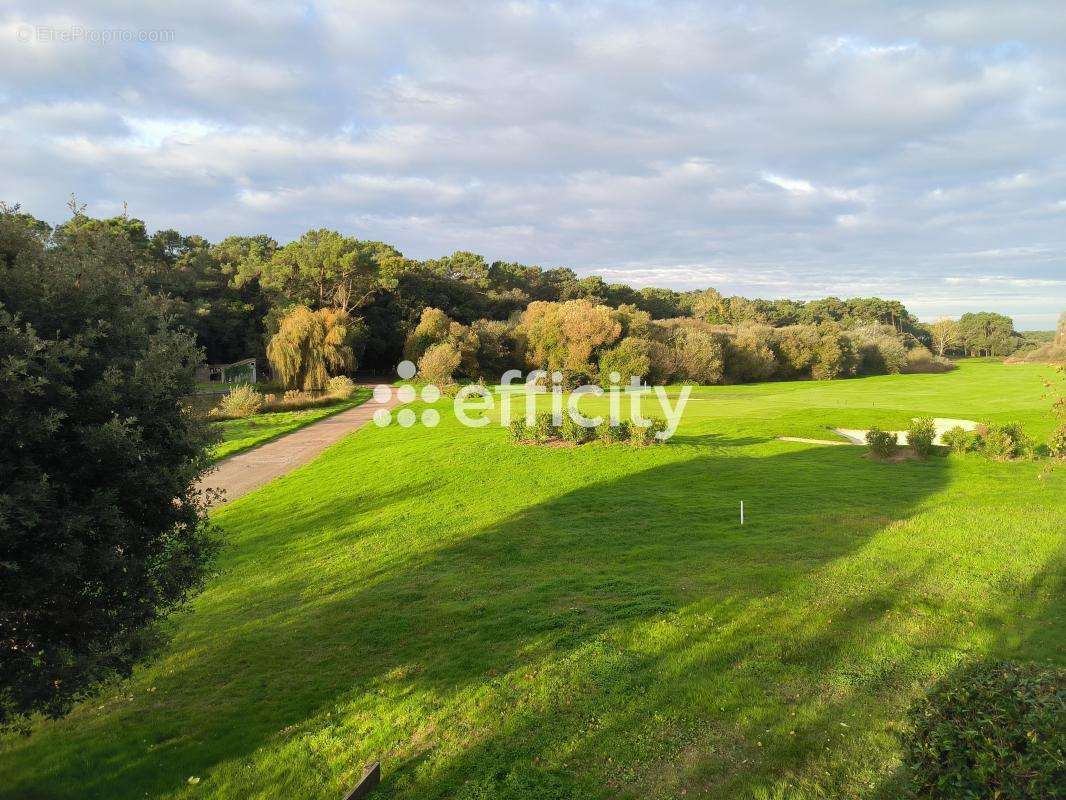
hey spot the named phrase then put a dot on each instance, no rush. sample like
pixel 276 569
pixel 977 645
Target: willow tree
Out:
pixel 310 346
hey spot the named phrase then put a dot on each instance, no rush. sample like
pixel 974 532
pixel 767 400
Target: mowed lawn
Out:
pixel 500 621
pixel 238 435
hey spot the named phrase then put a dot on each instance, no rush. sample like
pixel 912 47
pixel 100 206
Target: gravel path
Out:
pixel 243 472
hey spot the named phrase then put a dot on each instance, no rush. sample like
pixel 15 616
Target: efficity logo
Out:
pixel 625 402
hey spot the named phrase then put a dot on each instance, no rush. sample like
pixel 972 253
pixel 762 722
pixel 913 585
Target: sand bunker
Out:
pixel 941 424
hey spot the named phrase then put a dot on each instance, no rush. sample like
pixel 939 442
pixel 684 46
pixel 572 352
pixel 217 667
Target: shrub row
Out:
pixel 999 442
pixel 245 401
pixel 545 431
pixel 588 342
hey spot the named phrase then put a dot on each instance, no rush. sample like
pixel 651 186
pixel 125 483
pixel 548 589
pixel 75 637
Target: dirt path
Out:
pixel 243 472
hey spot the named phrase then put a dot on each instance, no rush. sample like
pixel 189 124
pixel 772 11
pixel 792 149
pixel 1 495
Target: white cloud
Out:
pixel 766 149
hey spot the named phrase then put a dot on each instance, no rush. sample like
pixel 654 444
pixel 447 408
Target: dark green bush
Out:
pixel 573 378
pixel 883 444
pixel 103 532
pixel 994 730
pixel 920 436
pixel 961 440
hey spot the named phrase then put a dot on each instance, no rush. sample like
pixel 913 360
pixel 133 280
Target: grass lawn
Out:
pixel 500 621
pixel 244 434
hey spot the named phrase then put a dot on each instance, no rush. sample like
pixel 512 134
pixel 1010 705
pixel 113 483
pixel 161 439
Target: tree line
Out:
pixel 364 305
pixel 983 333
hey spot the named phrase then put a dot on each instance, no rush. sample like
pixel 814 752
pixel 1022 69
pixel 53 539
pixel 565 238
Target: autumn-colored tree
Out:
pixel 542 332
pixel 709 306
pixel 310 346
pixel 565 335
pixel 586 327
pixel 432 328
pixel 634 321
pixel 439 363
pixel 435 327
pixel 833 356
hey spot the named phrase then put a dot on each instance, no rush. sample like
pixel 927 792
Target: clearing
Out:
pixel 493 621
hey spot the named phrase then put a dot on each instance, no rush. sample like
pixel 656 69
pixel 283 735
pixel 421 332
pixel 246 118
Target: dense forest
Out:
pixel 462 317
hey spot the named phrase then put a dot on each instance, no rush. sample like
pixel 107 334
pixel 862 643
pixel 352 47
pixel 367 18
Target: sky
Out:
pixel 907 150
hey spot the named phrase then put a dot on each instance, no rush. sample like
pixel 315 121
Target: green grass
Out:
pixel 499 621
pixel 243 434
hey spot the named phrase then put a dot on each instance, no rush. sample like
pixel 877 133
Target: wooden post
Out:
pixel 371 778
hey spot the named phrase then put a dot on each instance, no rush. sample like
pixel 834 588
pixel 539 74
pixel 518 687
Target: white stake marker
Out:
pixel 741 512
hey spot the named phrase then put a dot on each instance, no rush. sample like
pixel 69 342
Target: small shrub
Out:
pixel 1007 442
pixel 993 730
pixel 570 431
pixel 921 360
pixel 643 437
pixel 544 429
pixel 242 401
pixel 920 436
pixel 612 434
pixel 520 432
pixel 605 433
pixel 1057 443
pixel 297 401
pixel 961 440
pixel 883 444
pixel 342 387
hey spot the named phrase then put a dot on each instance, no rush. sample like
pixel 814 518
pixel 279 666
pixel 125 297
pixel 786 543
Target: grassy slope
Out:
pixel 500 621
pixel 243 434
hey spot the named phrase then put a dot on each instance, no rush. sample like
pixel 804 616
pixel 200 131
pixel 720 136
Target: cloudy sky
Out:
pixel 911 150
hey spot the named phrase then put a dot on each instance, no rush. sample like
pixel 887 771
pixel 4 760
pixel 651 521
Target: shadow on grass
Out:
pixel 715 440
pixel 574 584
